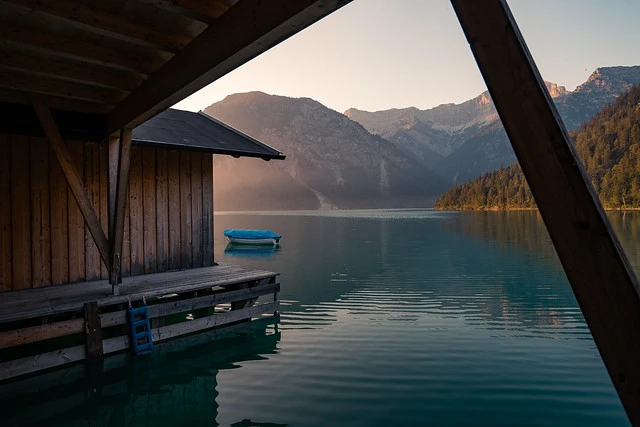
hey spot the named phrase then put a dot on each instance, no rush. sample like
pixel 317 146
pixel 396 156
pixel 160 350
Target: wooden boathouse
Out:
pixel 55 276
pixel 106 195
pixel 94 71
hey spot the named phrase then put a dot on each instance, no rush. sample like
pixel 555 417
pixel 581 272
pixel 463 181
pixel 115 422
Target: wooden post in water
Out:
pixel 596 266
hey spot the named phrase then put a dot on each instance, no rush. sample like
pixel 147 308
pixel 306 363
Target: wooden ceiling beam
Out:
pixel 598 270
pixel 12 79
pixel 246 30
pixel 81 50
pixel 120 25
pixel 198 10
pixel 56 102
pixel 75 71
pixel 212 9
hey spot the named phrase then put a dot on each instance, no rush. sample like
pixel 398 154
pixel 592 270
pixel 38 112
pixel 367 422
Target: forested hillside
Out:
pixel 609 146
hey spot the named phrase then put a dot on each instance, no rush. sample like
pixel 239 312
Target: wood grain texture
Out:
pixel 93 330
pixel 136 220
pixel 173 188
pixel 70 298
pixel 75 221
pixel 92 189
pixel 40 218
pixel 20 213
pixel 103 199
pixel 149 209
pixel 120 25
pixel 21 336
pixel 593 259
pixel 59 222
pixel 162 210
pixel 120 182
pixel 73 176
pixel 6 250
pixel 196 209
pixel 186 221
pixel 206 228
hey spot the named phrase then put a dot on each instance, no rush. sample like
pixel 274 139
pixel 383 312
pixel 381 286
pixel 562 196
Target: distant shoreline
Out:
pixel 519 209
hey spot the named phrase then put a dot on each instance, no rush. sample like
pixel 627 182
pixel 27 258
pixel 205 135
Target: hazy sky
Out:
pixel 380 54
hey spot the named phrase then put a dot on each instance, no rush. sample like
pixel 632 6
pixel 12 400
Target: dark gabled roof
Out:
pixel 184 130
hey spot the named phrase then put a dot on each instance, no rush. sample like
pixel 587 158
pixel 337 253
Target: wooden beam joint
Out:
pixel 119 165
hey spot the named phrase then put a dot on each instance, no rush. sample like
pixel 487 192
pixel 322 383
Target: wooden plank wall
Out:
pixel 43 238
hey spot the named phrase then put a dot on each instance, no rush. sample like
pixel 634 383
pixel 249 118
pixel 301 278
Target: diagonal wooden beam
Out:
pixel 593 259
pixel 119 165
pixel 246 30
pixel 73 177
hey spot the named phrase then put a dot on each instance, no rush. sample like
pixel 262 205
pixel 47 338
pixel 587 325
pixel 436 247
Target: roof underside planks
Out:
pixel 120 62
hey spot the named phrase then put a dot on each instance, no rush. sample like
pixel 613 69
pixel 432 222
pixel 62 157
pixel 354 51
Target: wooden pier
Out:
pixel 48 327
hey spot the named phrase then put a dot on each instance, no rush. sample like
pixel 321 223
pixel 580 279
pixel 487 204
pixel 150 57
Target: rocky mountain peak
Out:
pixel 610 79
pixel 556 91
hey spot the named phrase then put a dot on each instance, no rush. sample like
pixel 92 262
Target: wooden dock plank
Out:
pixel 55 358
pixel 6 278
pixel 20 219
pixel 163 333
pixel 42 361
pixel 165 309
pixel 22 336
pixel 69 298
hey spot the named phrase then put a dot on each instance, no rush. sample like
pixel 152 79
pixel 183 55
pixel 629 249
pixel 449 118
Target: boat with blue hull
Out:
pixel 252 237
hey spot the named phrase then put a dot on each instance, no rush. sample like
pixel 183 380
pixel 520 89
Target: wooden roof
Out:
pixel 123 61
pixel 184 130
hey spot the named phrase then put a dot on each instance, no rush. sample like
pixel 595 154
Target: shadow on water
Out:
pixel 176 385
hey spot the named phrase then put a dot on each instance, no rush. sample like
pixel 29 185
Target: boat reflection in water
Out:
pixel 250 251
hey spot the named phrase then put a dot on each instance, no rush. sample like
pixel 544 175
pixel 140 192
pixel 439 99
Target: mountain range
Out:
pixel 331 161
pixel 392 158
pixel 609 147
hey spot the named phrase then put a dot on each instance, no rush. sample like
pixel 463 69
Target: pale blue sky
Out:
pixel 380 54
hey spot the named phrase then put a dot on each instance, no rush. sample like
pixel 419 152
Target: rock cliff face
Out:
pixel 331 162
pixel 463 141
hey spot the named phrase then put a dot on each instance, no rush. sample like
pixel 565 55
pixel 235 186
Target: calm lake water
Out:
pixel 388 318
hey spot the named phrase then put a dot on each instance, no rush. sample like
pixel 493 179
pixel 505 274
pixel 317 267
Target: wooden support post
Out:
pixel 592 257
pixel 93 330
pixel 119 166
pixel 73 177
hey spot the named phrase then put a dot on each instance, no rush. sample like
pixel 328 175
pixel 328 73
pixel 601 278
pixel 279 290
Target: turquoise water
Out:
pixel 388 318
